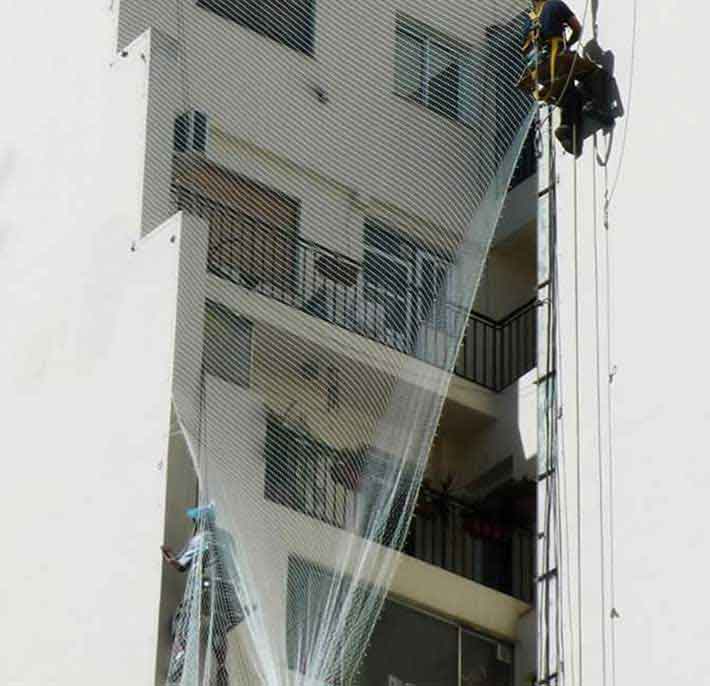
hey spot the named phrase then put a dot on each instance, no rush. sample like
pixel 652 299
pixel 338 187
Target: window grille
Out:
pixel 434 71
pixel 290 22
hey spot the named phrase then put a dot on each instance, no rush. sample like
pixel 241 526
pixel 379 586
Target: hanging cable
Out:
pixel 564 499
pixel 610 428
pixel 603 160
pixel 600 451
pixel 634 38
pixel 565 598
pixel 578 425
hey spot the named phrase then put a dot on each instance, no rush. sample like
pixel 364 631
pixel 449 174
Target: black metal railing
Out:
pixel 495 354
pixel 306 475
pixel 299 475
pixel 274 261
pixel 454 536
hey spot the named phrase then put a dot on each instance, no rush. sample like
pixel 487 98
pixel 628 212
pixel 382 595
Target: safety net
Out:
pixel 340 169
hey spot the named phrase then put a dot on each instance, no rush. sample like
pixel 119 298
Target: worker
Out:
pixel 554 18
pixel 548 24
pixel 215 548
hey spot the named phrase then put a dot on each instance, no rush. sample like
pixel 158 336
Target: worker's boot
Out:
pixel 565 135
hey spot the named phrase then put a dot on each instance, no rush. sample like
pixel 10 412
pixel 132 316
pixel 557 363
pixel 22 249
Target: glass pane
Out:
pixel 312 598
pixel 408 647
pixel 444 81
pixel 227 345
pixel 409 65
pixel 469 90
pixel 485 662
pixel 287 21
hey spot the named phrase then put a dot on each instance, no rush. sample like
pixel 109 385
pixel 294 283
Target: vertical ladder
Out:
pixel 550 666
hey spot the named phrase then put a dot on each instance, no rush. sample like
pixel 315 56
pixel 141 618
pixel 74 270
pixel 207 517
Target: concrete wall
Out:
pixel 658 249
pixel 509 279
pixel 365 137
pixel 86 362
pixel 526 650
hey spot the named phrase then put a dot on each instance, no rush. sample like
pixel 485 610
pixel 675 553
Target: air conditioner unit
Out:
pixel 190 133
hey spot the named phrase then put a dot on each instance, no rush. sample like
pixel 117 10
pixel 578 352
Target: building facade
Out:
pixel 289 192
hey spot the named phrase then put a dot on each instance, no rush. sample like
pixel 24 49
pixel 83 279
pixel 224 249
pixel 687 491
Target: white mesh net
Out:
pixel 348 175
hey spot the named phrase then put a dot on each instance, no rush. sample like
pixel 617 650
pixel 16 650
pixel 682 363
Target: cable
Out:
pixel 578 427
pixel 634 38
pixel 610 430
pixel 602 528
pixel 554 512
pixel 603 161
pixel 564 500
pixel 549 444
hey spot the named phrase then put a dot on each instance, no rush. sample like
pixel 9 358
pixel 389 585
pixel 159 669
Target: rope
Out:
pixel 619 166
pixel 602 161
pixel 552 504
pixel 563 511
pixel 578 403
pixel 599 417
pixel 610 429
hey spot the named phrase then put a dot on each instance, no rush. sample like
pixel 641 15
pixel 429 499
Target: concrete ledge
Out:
pixel 457 598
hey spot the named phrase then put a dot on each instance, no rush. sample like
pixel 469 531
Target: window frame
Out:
pixel 308 48
pixel 430 37
pixel 328 574
pixel 228 317
pixel 414 256
pixel 462 629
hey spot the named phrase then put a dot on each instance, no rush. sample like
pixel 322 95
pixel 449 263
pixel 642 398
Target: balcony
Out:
pixel 495 354
pixel 382 304
pixel 489 540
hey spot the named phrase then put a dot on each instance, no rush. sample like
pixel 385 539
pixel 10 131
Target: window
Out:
pixel 314 606
pixel 405 285
pixel 190 132
pixel 434 71
pixel 388 286
pixel 290 22
pixel 227 345
pixel 411 647
pixel 485 662
pixel 298 474
pixel 253 229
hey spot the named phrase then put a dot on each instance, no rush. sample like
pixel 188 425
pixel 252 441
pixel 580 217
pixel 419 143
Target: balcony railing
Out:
pixel 408 317
pixel 495 354
pixel 457 537
pixel 443 532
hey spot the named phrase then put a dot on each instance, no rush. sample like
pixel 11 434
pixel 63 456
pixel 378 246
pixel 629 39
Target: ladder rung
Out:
pixel 546 475
pixel 547 576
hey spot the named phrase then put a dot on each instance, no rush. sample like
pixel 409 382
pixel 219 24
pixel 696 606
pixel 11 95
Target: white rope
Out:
pixel 610 430
pixel 600 451
pixel 619 166
pixel 578 426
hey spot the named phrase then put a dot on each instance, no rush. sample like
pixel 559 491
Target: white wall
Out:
pixel 85 355
pixel 659 249
pixel 365 137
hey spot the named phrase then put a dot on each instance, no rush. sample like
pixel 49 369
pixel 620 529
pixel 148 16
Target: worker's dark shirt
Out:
pixel 554 17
